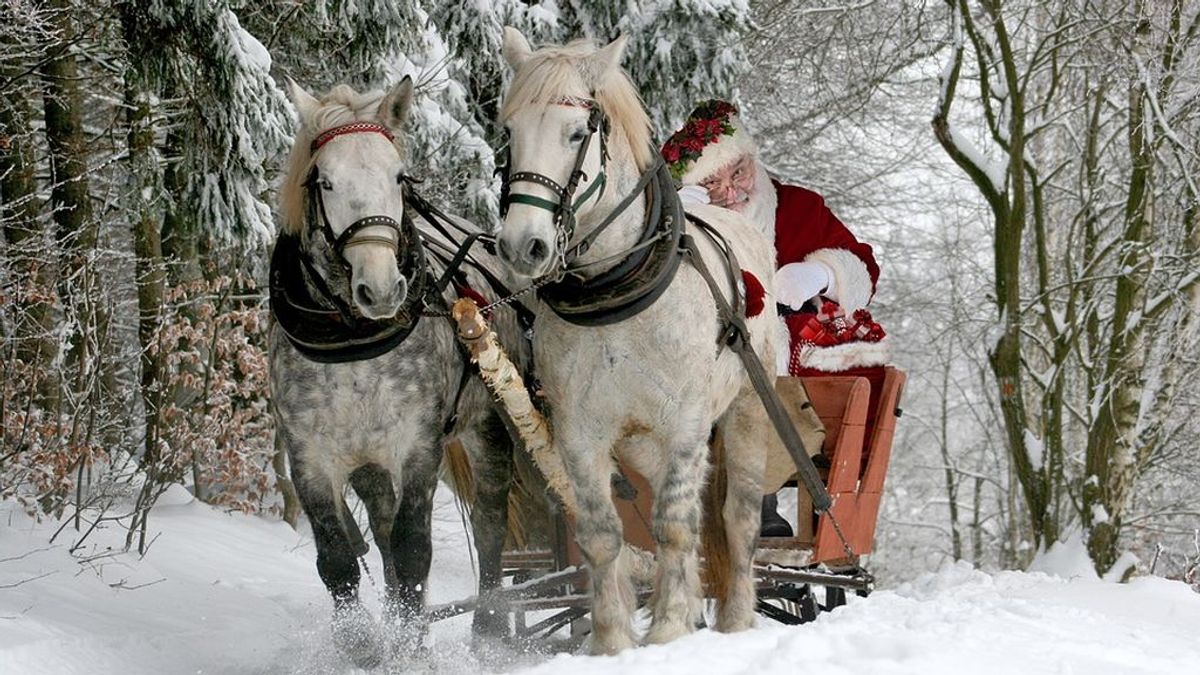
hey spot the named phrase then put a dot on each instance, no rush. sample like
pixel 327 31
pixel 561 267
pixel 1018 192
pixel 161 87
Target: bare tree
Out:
pixel 1090 186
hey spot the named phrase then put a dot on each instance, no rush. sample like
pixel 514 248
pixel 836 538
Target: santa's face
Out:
pixel 732 185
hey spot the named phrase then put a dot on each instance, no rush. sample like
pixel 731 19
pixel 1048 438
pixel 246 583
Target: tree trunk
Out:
pixel 76 229
pixel 28 248
pixel 144 189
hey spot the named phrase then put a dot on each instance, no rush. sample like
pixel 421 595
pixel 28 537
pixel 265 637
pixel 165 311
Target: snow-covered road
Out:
pixel 228 593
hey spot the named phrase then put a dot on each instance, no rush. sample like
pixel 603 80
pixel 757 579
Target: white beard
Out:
pixel 760 207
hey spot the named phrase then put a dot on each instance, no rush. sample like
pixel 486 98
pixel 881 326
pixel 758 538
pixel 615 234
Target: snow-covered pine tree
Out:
pixel 233 117
pixel 329 42
pixel 680 51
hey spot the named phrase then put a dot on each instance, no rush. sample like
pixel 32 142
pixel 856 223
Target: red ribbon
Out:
pixel 830 327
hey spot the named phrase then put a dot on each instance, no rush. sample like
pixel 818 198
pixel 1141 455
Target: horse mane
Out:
pixel 341 105
pixel 552 72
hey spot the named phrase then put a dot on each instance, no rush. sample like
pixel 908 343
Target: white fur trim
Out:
pixel 838 358
pixel 763 202
pixel 851 280
pixel 721 153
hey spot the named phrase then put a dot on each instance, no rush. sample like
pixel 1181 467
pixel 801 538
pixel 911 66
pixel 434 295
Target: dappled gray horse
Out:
pixel 365 389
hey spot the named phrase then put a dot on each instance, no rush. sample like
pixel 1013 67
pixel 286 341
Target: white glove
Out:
pixel 693 194
pixel 797 283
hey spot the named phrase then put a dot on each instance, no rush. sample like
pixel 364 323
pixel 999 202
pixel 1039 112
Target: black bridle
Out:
pixel 350 236
pixel 567 203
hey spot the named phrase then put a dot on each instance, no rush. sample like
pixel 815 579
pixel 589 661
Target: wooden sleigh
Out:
pixel 789 570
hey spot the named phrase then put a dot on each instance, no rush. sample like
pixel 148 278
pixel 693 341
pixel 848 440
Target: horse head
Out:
pixel 344 194
pixel 567 110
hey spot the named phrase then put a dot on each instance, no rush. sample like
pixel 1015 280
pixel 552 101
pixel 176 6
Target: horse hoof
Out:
pixel 662 632
pixel 490 624
pixel 611 644
pixel 356 635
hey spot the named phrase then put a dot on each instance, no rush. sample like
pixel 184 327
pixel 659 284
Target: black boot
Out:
pixel 773 524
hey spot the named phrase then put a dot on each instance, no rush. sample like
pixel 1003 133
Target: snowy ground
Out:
pixel 227 593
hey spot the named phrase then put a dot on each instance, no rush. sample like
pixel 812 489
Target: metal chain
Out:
pixel 837 529
pixel 512 298
pixel 500 302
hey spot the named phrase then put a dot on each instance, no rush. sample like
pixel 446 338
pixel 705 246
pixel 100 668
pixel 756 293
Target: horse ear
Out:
pixel 306 104
pixel 609 57
pixel 516 47
pixel 393 109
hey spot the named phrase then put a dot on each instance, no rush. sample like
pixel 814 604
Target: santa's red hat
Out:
pixel 711 138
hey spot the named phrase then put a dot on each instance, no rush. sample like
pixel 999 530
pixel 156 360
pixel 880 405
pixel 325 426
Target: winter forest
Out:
pixel 1027 171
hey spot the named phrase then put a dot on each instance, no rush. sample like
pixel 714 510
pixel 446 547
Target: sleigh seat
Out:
pixel 859 411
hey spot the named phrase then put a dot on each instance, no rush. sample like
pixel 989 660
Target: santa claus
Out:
pixel 824 276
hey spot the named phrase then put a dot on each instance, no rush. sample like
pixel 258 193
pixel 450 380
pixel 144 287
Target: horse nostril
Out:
pixel 363 295
pixel 538 251
pixel 505 251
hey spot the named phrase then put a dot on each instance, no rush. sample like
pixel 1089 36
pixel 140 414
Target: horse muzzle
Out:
pixel 379 300
pixel 529 256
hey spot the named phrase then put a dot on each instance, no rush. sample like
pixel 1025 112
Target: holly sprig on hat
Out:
pixel 705 125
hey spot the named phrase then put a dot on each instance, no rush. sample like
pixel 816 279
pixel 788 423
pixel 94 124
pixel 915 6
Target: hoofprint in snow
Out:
pixel 229 593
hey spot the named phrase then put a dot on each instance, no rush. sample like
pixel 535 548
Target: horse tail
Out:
pixel 529 519
pixel 456 468
pixel 713 538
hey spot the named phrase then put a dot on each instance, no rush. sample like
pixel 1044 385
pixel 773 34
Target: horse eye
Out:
pixel 577 137
pixel 324 183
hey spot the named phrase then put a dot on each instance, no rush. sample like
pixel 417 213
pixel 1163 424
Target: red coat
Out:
pixel 804 226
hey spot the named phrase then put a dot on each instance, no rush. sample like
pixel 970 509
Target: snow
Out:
pixel 995 171
pixel 231 593
pixel 1035 447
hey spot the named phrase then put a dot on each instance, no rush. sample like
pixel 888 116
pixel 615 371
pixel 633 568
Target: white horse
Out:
pixel 649 387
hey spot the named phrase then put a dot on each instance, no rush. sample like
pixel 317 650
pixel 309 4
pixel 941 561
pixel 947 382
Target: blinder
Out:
pixel 564 208
pixel 350 236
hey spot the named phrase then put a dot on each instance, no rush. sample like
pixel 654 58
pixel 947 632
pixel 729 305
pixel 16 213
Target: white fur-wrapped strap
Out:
pixel 506 383
pixel 852 287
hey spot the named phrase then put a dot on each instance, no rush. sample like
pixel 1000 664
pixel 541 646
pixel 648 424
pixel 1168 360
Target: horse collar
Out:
pixel 639 279
pixel 320 325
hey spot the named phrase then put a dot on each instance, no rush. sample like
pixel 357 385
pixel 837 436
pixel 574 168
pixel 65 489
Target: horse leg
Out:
pixel 373 485
pixel 353 629
pixel 744 429
pixel 601 540
pixel 412 544
pixel 492 469
pixel 676 531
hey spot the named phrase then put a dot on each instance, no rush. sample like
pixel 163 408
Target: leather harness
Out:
pixel 643 273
